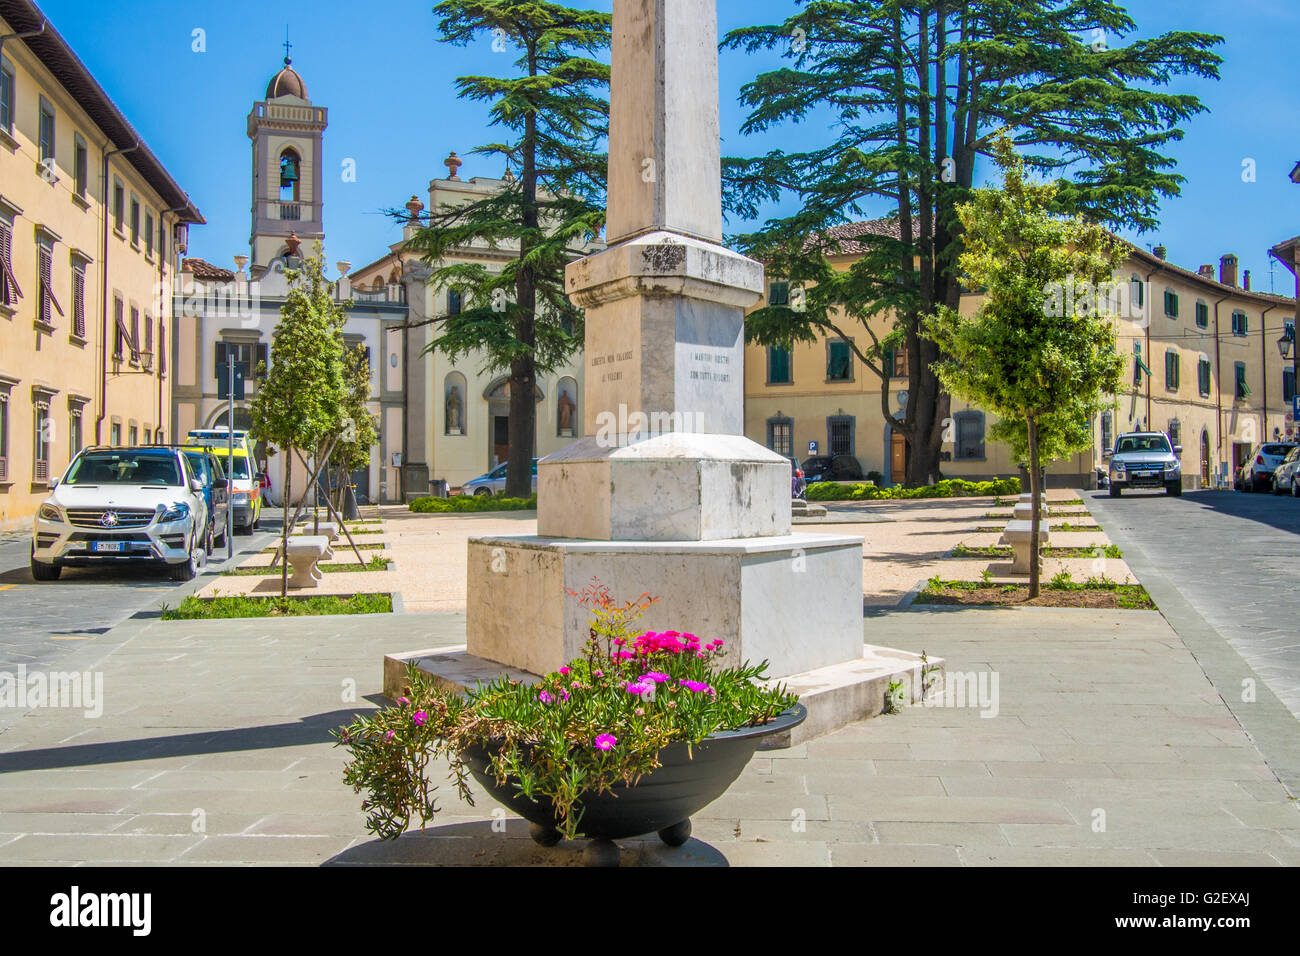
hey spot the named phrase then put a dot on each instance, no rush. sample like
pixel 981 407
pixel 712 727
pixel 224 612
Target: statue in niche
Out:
pixel 455 423
pixel 567 407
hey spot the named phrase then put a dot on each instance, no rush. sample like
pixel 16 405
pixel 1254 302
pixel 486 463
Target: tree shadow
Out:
pixel 1280 512
pixel 505 842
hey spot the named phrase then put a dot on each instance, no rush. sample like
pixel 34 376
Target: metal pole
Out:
pixel 230 455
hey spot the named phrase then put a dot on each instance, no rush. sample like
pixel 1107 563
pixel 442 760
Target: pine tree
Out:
pixel 916 90
pixel 554 110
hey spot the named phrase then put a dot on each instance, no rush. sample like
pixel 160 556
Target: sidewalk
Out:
pixel 214 748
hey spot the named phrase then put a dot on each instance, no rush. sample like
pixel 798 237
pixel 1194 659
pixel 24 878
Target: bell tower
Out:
pixel 287 132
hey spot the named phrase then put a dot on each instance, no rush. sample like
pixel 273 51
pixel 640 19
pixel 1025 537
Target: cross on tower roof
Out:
pixel 287 45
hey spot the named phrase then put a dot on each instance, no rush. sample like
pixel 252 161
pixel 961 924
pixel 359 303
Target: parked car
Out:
pixel 1287 477
pixel 207 468
pixel 1145 460
pixel 1256 474
pixel 245 488
pixel 219 437
pixel 798 486
pixel 494 482
pixel 134 505
pixel 831 468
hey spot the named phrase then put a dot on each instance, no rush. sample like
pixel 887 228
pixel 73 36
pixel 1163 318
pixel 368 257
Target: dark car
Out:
pixel 207 468
pixel 832 468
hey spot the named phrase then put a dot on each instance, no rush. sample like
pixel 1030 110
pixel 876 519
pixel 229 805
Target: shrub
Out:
pixel 948 488
pixel 472 503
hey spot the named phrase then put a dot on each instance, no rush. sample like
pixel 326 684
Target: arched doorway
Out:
pixel 1205 458
pixel 497 396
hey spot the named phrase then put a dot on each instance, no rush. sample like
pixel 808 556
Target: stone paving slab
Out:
pixel 227 722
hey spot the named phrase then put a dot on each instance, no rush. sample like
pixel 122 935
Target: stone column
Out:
pixel 665 494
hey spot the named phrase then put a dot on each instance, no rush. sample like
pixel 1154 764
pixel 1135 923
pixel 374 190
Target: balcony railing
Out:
pixel 290 211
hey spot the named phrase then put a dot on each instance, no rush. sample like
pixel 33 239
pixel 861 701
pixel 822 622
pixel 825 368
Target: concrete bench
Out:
pixel 304 553
pixel 1024 510
pixel 1019 534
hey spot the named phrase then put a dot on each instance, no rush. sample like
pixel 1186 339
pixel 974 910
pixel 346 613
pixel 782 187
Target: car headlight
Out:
pixel 1173 466
pixel 175 513
pixel 1117 466
pixel 50 513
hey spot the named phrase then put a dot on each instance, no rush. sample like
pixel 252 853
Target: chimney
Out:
pixel 1228 269
pixel 1160 252
pixel 1245 280
pixel 1206 270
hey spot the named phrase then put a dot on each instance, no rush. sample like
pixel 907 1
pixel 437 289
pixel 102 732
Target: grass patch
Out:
pixel 1004 551
pixel 1060 591
pixel 1063 526
pixel 1049 513
pixel 376 563
pixel 948 488
pixel 198 609
pixel 361 546
pixel 466 504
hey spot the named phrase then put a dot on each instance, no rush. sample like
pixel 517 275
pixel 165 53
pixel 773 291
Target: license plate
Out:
pixel 99 546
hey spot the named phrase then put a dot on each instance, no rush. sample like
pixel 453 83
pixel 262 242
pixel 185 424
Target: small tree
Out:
pixel 359 432
pixel 300 400
pixel 1039 360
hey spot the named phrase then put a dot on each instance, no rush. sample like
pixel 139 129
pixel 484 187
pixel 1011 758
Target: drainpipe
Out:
pixel 23 36
pixel 174 324
pixel 1218 377
pixel 1263 357
pixel 103 297
pixel 1147 291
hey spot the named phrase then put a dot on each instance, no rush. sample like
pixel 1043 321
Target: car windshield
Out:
pixel 1276 449
pixel 238 467
pixel 1140 443
pixel 124 468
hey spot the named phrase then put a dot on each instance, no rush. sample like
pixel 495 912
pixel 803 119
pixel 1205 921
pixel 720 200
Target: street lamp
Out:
pixel 1287 346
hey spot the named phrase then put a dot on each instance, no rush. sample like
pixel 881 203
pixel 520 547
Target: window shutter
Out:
pixel 262 357
pixel 219 369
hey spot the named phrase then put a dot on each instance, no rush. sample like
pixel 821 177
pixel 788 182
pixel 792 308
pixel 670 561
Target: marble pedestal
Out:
pixel 794 600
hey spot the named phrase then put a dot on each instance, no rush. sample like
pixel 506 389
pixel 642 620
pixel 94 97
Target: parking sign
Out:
pixel 812 448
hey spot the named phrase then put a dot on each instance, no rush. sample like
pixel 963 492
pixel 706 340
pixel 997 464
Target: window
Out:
pixel 148 233
pixel 135 221
pixel 79 298
pixel 1107 432
pixel 119 206
pixel 778 366
pixel 120 334
pixel 1175 432
pixel 148 332
pixel 1288 385
pixel 1203 377
pixel 6 98
pixel 290 176
pixel 10 291
pixel 1240 323
pixel 248 355
pixel 454 302
pixel 46 304
pixel 133 436
pixel 115 435
pixel 1202 315
pixel 1139 366
pixel 839 434
pixel 1171 303
pixel 74 428
pixel 162 349
pixel 970 435
pixel 899 359
pixel 1243 389
pixel 1136 291
pixel 4 433
pixel 778 293
pixel 135 335
pixel 1171 370
pixel 41 439
pixel 839 362
pixel 780 436
pixel 45 136
pixel 80 166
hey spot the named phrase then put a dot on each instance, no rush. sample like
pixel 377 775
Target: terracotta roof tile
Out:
pixel 206 270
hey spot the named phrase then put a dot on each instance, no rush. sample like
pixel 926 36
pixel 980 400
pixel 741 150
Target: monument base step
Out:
pixel 835 696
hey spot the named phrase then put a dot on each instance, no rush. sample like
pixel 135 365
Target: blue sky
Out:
pixel 388 85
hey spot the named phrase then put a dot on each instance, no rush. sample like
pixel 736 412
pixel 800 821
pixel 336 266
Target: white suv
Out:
pixel 131 505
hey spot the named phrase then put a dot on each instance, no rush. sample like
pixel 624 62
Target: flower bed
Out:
pixel 598 723
pixel 193 609
pixel 472 503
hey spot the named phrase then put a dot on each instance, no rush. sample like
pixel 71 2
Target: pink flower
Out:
pixel 420 718
pixel 697 687
pixel 403 701
pixel 545 697
pixel 597 673
pixel 637 688
pixel 390 735
pixel 564 670
pixel 639 712
pixel 606 742
pixel 653 676
pixel 564 693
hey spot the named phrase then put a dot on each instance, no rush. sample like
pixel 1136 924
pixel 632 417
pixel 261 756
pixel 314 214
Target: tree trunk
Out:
pixel 1035 521
pixel 284 525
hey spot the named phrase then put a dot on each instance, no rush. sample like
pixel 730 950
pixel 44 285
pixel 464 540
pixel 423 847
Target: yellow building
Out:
pixel 1205 368
pixel 89 221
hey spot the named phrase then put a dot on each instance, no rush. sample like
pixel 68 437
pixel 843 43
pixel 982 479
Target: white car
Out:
pixel 1287 477
pixel 122 505
pixel 1257 473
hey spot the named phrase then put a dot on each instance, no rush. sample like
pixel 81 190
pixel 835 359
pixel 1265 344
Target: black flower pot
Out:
pixel 662 801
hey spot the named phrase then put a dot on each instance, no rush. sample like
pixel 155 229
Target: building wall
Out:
pixel 51 364
pixel 810 400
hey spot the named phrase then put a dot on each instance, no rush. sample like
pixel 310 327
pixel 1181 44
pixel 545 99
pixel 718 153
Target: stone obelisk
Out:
pixel 665 494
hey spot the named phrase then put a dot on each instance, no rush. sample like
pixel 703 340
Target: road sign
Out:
pixel 812 448
pixel 1295 406
pixel 224 384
